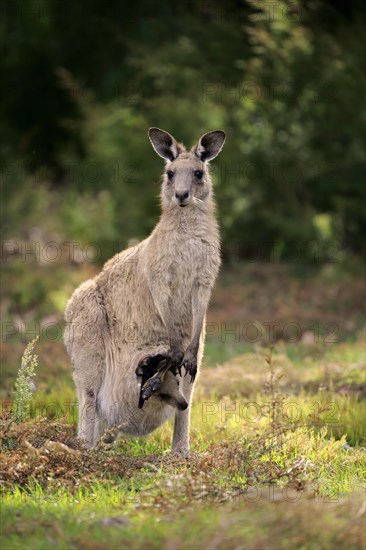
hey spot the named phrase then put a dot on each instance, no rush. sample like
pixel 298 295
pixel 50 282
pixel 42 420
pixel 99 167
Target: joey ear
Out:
pixel 164 144
pixel 210 145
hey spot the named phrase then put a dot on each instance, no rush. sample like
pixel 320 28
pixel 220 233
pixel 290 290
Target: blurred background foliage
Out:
pixel 83 80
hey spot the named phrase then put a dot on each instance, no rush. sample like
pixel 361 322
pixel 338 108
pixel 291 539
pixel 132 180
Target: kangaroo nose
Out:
pixel 182 405
pixel 182 196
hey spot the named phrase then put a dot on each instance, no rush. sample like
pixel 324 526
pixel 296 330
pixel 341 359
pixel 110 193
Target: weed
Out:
pixel 23 384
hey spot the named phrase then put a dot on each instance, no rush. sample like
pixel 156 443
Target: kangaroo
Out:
pixel 150 300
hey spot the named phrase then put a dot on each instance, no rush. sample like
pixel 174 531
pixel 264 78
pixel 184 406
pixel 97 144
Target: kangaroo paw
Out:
pixel 190 365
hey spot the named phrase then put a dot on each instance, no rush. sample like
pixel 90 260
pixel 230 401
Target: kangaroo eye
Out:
pixel 164 395
pixel 198 174
pixel 170 175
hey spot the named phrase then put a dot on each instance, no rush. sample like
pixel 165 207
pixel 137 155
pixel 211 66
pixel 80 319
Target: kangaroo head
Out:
pixel 186 179
pixel 170 394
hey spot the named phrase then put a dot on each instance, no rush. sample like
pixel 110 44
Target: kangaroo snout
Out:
pixel 170 394
pixel 182 197
pixel 181 406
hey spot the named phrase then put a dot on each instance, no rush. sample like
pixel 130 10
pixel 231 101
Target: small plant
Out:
pixel 23 383
pixel 278 425
pixel 269 461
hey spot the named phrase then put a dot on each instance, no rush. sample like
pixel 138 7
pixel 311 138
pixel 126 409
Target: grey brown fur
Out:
pixel 150 299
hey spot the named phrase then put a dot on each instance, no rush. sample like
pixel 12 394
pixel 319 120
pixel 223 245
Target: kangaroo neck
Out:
pixel 191 220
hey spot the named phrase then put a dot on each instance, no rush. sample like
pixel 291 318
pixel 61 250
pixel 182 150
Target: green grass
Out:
pixel 267 521
pixel 217 352
pixel 276 462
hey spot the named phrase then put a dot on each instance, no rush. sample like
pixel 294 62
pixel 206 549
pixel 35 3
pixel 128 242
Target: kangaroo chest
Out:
pixel 188 263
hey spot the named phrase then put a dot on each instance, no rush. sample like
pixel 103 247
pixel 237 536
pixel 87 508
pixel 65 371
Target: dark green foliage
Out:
pixel 82 81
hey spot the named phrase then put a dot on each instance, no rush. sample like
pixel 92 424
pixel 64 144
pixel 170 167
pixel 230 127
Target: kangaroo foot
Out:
pixel 151 386
pixel 147 367
pixel 152 368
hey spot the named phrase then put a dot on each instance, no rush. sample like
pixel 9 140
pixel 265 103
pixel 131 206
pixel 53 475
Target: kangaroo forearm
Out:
pixel 174 335
pixel 200 301
pixel 163 303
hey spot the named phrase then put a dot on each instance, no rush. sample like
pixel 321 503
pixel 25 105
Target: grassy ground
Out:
pixel 278 442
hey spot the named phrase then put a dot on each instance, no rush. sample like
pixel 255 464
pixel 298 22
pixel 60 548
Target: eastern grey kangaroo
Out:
pixel 151 299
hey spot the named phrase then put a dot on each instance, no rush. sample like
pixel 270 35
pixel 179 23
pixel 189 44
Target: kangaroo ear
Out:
pixel 210 145
pixel 164 144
